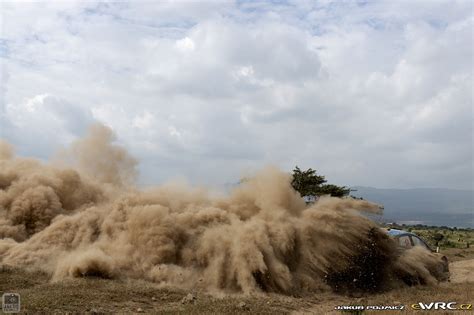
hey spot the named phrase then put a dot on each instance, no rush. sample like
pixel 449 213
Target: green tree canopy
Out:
pixel 310 183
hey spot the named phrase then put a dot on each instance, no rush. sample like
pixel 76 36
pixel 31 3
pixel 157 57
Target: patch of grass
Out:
pixel 14 278
pixel 451 238
pixel 95 296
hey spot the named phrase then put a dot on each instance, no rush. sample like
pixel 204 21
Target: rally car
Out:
pixel 407 240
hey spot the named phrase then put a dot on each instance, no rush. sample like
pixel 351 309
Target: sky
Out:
pixel 371 93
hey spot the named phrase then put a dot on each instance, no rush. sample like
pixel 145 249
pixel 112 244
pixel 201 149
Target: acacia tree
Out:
pixel 438 237
pixel 310 183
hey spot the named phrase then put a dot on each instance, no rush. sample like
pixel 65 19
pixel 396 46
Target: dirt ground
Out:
pixel 94 296
pixel 462 271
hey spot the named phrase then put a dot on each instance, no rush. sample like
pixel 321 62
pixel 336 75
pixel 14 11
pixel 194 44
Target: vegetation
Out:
pixel 310 183
pixel 437 237
pixel 442 236
pixel 103 296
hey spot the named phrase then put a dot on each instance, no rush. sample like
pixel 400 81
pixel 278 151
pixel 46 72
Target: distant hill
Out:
pixel 430 206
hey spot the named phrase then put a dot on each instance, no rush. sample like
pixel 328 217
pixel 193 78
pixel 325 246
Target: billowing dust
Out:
pixel 81 216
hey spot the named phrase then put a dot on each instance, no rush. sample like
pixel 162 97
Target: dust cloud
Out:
pixel 81 216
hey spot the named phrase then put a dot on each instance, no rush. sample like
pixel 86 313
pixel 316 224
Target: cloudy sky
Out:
pixel 375 93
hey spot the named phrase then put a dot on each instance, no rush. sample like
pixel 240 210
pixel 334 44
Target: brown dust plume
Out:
pixel 83 217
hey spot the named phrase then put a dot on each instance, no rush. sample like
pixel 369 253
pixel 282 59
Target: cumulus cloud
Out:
pixel 368 93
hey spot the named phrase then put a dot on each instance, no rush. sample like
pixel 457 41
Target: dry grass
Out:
pixel 94 295
pixel 456 254
pixel 451 238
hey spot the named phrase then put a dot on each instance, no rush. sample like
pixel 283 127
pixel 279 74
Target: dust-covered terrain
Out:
pixel 462 271
pixel 80 216
pixel 96 295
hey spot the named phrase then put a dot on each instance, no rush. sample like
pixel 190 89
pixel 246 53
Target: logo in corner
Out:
pixel 11 303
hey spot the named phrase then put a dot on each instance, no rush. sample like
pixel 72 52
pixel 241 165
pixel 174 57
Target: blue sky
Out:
pixel 375 93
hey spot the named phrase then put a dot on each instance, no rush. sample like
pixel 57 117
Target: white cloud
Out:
pixel 375 94
pixel 143 121
pixel 174 132
pixel 185 44
pixel 33 103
